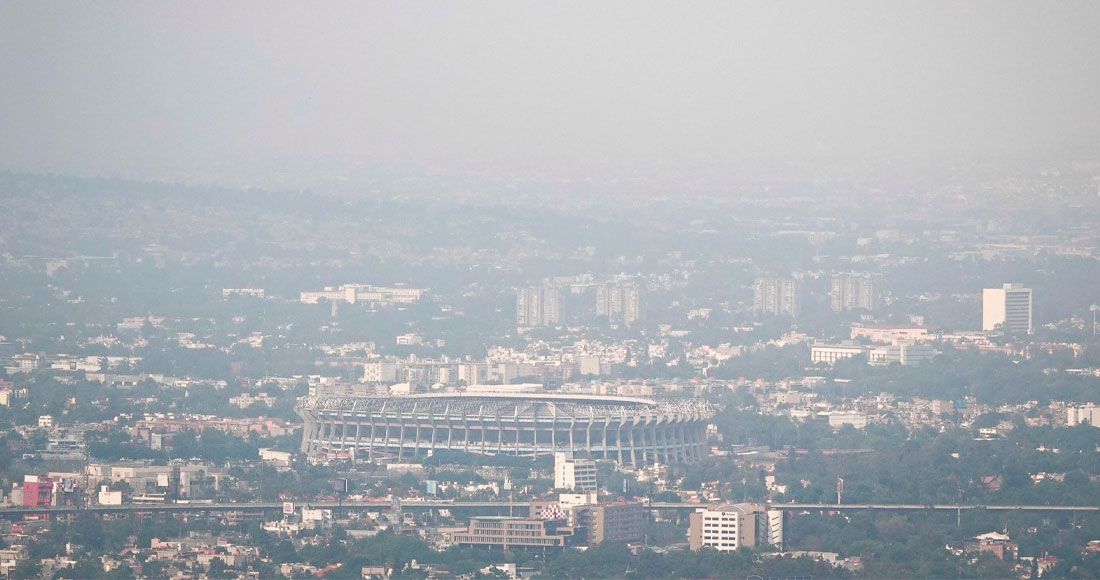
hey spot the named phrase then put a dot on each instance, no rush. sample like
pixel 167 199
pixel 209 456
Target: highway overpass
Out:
pixel 498 506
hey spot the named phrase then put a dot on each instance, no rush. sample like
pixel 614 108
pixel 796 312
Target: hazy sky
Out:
pixel 239 90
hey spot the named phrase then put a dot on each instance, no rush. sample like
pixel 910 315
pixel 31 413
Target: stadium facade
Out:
pixel 629 430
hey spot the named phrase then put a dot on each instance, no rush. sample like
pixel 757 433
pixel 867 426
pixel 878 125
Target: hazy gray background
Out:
pixel 247 91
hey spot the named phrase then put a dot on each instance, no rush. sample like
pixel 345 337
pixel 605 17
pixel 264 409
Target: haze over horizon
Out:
pixel 549 290
pixel 284 93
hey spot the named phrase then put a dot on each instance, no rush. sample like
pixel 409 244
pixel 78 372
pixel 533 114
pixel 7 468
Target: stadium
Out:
pixel 630 430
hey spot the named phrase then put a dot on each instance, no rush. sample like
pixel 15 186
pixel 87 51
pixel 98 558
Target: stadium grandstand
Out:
pixel 630 430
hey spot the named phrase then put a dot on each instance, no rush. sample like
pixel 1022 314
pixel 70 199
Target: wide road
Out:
pixel 502 505
pixel 917 507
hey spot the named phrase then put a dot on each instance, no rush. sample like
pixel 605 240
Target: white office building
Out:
pixel 1010 306
pixel 727 528
pixel 574 474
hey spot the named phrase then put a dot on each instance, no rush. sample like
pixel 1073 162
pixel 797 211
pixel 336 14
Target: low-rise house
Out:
pixel 998 544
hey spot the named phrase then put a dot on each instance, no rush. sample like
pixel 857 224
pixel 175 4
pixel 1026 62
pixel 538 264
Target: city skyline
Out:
pixel 527 290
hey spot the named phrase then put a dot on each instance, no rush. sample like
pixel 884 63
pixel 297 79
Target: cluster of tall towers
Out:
pixel 855 290
pixel 1009 308
pixel 847 291
pixel 780 296
pixel 620 303
pixel 538 306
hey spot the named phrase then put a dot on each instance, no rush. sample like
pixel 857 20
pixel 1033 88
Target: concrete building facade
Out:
pixel 613 522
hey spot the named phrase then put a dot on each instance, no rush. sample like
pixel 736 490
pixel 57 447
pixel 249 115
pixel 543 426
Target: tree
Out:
pixel 84 568
pixel 219 570
pixel 88 531
pixel 25 570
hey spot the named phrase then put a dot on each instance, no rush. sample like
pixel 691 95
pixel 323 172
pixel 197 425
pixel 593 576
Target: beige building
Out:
pixel 507 532
pixel 618 521
pixel 613 522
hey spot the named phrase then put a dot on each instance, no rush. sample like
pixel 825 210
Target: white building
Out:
pixel 1009 305
pixel 276 458
pixel 571 500
pixel 249 292
pixel 316 518
pixel 410 339
pixel 773 531
pixel 22 363
pixel 574 474
pixel 379 372
pixel 6 395
pixel 588 365
pixel 905 354
pixel 154 477
pixel 839 419
pixel 473 373
pixel 352 293
pixel 1083 414
pixel 108 497
pixel 505 372
pixel 830 353
pixel 889 333
pixel 727 528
